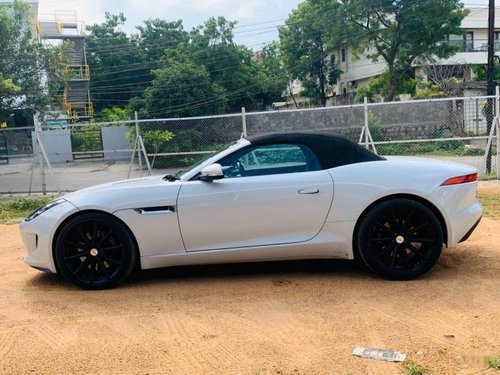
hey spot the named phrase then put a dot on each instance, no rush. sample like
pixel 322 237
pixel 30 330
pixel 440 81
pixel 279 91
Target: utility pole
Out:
pixel 490 75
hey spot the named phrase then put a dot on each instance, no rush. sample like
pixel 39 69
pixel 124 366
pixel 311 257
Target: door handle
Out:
pixel 309 191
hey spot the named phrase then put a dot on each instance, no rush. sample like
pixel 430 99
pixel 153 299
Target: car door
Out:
pixel 272 194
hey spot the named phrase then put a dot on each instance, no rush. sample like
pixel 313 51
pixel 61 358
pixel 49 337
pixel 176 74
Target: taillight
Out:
pixel 460 179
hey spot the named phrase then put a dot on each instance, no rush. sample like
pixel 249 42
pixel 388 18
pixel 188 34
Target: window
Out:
pixel 469 41
pixel 269 160
pixel 465 42
pixel 497 41
pixel 343 54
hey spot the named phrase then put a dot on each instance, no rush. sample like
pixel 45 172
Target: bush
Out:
pixel 86 138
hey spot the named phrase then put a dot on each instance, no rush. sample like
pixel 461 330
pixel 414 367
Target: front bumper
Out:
pixel 37 235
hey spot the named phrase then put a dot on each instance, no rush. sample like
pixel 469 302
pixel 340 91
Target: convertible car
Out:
pixel 272 197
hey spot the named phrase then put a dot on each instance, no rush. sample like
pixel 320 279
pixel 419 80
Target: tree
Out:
pixel 24 62
pixel 130 71
pixel 157 35
pixel 229 65
pixel 305 42
pixel 114 114
pixel 183 89
pixel 400 32
pixel 480 71
pixel 117 72
pixel 447 78
pixel 272 75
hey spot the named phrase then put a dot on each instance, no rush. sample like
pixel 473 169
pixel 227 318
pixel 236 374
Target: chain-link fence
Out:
pixel 81 155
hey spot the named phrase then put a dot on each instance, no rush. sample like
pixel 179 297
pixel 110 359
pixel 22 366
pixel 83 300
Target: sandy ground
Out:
pixel 275 318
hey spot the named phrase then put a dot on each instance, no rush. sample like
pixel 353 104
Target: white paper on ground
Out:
pixel 379 354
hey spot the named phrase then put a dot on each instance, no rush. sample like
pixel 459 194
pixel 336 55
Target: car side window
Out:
pixel 270 159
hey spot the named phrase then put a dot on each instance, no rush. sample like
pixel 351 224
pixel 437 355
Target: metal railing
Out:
pixel 80 155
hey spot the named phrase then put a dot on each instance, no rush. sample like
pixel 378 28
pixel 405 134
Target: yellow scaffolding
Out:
pixel 79 109
pixel 76 72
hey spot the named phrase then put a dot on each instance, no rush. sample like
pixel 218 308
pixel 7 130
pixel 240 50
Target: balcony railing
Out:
pixel 473 45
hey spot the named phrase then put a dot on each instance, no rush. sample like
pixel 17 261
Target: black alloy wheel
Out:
pixel 400 239
pixel 95 251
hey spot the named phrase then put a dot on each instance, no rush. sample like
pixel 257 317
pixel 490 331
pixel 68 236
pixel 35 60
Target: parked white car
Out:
pixel 273 197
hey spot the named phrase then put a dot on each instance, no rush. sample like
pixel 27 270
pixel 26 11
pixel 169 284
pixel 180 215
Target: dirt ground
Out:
pixel 275 318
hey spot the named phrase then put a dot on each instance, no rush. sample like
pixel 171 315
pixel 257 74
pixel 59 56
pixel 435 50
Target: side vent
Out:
pixel 160 210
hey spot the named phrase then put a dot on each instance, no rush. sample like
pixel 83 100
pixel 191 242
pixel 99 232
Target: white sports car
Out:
pixel 273 197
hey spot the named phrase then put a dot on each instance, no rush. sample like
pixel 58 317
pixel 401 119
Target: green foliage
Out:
pixel 427 90
pixel 491 205
pixel 230 66
pixel 378 86
pixel 412 368
pixel 14 211
pixel 165 71
pixel 493 362
pixel 480 72
pixel 23 63
pixel 114 114
pixel 304 45
pixel 375 128
pixel 86 138
pixel 115 63
pixel 441 148
pixel 157 35
pixel 183 89
pixel 400 32
pixel 272 75
pixel 154 140
pixel 8 87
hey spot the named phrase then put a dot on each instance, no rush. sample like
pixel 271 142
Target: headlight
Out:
pixel 41 210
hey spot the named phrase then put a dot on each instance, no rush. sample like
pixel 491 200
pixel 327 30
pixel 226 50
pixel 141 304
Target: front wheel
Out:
pixel 400 239
pixel 95 251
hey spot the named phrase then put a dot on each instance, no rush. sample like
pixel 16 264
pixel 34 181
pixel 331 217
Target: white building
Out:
pixel 357 70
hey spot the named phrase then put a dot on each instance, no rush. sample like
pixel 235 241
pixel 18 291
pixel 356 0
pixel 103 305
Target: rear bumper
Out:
pixel 471 230
pixel 460 208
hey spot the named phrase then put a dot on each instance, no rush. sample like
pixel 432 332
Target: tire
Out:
pixel 95 251
pixel 400 239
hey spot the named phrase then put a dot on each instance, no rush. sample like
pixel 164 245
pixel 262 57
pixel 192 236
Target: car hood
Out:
pixel 127 194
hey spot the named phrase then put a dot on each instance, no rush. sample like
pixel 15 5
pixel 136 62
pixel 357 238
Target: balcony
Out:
pixel 473 45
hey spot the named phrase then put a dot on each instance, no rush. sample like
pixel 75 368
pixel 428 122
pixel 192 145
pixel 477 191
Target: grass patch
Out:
pixel 493 362
pixel 412 368
pixel 15 210
pixel 491 203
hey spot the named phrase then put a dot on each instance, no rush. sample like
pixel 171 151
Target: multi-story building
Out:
pixel 63 27
pixel 358 69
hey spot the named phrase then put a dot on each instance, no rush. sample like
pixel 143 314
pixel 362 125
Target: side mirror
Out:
pixel 212 172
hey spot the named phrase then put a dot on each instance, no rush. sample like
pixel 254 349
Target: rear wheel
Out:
pixel 95 251
pixel 400 239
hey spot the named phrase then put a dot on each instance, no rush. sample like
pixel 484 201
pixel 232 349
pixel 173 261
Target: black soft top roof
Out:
pixel 331 150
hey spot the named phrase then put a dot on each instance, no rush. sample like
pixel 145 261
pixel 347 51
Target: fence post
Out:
pixel 244 122
pixel 40 154
pixel 497 125
pixel 137 134
pixel 366 122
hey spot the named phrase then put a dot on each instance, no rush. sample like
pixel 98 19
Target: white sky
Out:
pixel 267 14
